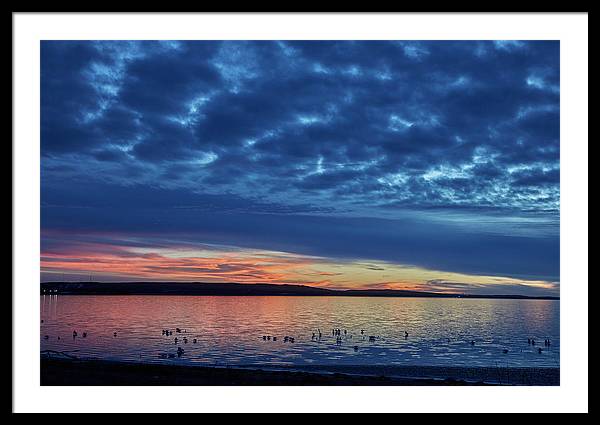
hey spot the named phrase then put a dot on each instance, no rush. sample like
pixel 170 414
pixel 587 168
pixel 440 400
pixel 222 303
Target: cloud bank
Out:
pixel 442 155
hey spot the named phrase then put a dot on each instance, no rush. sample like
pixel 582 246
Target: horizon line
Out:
pixel 414 293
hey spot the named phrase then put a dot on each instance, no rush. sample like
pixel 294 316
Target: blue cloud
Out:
pixel 334 130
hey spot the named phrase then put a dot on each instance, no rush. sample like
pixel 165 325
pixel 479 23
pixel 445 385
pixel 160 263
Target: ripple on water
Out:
pixel 229 330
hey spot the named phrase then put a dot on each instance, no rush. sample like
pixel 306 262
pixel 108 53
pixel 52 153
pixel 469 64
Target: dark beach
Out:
pixel 61 371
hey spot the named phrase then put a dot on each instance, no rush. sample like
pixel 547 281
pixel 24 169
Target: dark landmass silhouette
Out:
pixel 239 289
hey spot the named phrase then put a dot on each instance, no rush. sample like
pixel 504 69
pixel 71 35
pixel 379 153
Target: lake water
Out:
pixel 229 330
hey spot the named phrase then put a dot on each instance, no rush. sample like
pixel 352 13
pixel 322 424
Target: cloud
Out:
pixel 143 257
pixel 163 135
pixel 166 105
pixel 482 243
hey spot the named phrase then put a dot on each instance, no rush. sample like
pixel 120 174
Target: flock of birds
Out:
pixel 316 336
pixel 184 339
pixel 337 333
pixel 531 341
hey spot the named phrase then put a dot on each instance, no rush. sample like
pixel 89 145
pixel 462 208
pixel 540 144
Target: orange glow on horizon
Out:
pixel 156 266
pixel 113 262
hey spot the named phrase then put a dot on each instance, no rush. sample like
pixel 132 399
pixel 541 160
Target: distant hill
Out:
pixel 230 289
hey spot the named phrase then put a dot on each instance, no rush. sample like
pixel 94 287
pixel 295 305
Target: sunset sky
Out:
pixel 406 165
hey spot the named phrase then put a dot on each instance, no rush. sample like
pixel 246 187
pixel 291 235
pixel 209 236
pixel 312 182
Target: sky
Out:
pixel 429 165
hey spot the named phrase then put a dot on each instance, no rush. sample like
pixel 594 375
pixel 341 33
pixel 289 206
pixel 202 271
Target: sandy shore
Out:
pixel 102 372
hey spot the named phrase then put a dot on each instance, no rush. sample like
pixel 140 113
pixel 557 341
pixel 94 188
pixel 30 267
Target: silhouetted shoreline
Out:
pixel 237 289
pixel 59 371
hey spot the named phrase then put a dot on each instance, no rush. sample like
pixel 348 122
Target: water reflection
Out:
pixel 230 330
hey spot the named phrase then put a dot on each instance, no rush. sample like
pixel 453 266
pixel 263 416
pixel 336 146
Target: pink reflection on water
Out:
pixel 229 330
